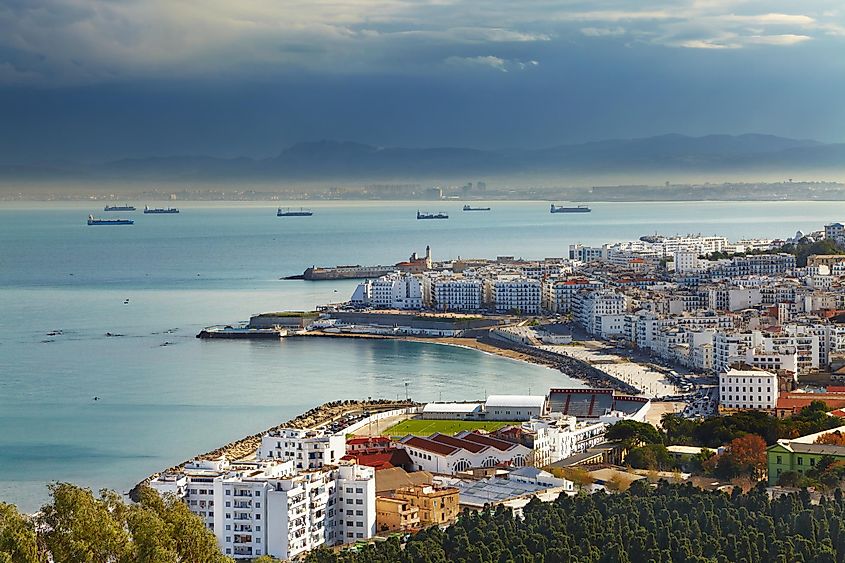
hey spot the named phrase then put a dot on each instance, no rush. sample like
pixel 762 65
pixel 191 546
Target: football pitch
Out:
pixel 421 427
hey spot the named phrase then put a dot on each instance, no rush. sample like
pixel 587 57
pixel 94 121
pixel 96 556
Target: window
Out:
pixel 359 512
pixel 800 461
pixel 359 491
pixel 359 524
pixel 359 501
pixel 359 535
pixel 780 460
pixel 812 461
pixel 257 505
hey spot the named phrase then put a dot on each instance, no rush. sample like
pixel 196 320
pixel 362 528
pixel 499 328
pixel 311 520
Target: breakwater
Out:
pixel 313 418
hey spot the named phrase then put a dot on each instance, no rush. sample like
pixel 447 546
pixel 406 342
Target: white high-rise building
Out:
pixel 308 449
pixel 509 294
pixel 601 312
pixel 747 390
pixel 558 293
pixel 270 508
pixel 453 292
pixel 393 291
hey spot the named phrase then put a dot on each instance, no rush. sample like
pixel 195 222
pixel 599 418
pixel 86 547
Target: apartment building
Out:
pixel 307 449
pixel 271 508
pixel 453 292
pixel 747 390
pixel 601 312
pixel 392 291
pixel 508 294
pixel 436 505
pixel 559 293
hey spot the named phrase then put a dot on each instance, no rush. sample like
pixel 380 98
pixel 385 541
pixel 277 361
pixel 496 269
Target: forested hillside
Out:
pixel 670 523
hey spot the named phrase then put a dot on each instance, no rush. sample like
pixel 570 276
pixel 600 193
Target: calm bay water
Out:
pixel 166 395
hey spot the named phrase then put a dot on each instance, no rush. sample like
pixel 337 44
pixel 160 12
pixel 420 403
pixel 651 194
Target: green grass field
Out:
pixel 421 427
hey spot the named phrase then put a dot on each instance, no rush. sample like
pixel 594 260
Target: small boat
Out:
pixel 470 208
pixel 562 209
pixel 124 207
pixel 160 210
pixel 95 221
pixel 287 212
pixel 428 215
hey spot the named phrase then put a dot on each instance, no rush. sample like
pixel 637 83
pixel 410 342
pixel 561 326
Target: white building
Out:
pixel 747 390
pixel 509 294
pixel 440 453
pixel 453 292
pixel 307 449
pixel 269 508
pixel 514 407
pixel 558 293
pixel 393 291
pixel 601 312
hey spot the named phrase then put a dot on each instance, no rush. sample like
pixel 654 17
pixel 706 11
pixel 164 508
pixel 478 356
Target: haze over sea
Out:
pixel 166 396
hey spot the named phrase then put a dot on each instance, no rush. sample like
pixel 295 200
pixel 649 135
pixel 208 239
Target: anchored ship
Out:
pixel 428 215
pixel 158 210
pixel 561 209
pixel 125 207
pixel 287 212
pixel 94 221
pixel 470 208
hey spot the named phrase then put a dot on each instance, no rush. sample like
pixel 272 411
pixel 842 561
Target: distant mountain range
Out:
pixel 333 160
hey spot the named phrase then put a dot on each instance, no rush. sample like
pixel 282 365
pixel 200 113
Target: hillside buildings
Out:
pixel 271 508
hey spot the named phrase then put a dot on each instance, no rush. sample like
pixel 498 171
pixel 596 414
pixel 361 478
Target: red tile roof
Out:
pixel 457 442
pixel 429 445
pixel 500 445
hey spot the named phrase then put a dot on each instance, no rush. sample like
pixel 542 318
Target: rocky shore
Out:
pixel 313 418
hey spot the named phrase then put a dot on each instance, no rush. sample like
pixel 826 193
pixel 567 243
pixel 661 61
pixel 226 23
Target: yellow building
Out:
pixel 437 505
pixel 393 514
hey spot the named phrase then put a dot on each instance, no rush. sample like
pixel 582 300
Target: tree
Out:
pixel 18 542
pixel 579 476
pixel 832 438
pixel 744 456
pixel 650 456
pixel 633 433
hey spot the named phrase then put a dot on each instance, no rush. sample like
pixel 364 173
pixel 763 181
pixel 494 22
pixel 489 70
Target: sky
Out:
pixel 95 80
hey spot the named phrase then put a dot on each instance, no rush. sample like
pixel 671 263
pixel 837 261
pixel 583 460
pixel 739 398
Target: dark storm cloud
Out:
pixel 103 79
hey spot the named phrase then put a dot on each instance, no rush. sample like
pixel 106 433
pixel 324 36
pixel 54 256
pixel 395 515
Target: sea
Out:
pixel 111 312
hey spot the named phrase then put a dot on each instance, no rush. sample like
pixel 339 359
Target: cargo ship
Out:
pixel 94 221
pixel 125 207
pixel 561 209
pixel 471 208
pixel 427 215
pixel 287 212
pixel 159 210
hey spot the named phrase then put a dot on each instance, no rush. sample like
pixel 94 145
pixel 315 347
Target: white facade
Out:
pixel 558 294
pixel 591 306
pixel 269 508
pixel 307 449
pixel 453 293
pixel 393 291
pixel 514 407
pixel 510 294
pixel 748 390
pixel 450 454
